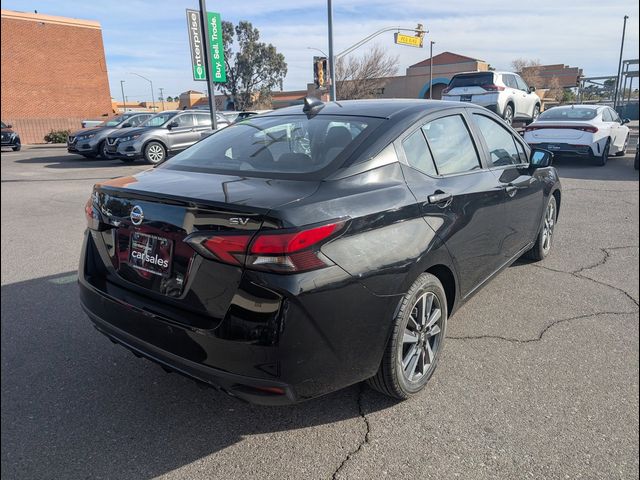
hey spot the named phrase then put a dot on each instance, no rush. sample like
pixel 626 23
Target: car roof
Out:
pixel 381 108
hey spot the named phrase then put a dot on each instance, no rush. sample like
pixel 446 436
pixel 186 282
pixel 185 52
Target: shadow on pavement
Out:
pixel 71 161
pixel 617 168
pixel 76 406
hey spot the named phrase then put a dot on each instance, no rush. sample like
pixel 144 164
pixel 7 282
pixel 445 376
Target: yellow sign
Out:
pixel 409 40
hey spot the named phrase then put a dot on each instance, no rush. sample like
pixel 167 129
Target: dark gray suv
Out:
pixel 90 142
pixel 163 134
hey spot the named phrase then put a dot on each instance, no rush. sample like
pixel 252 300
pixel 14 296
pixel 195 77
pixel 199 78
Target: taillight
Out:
pixel 588 129
pixel 277 251
pixel 492 88
pixel 91 215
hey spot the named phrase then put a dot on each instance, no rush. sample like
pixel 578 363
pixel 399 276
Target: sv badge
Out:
pixel 239 220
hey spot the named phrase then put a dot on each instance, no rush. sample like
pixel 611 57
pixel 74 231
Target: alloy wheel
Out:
pixel 508 115
pixel 155 153
pixel 422 338
pixel 549 224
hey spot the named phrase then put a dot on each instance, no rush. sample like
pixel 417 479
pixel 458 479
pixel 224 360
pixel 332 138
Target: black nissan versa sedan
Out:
pixel 302 251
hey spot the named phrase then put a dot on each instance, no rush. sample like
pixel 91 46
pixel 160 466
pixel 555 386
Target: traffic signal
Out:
pixel 320 71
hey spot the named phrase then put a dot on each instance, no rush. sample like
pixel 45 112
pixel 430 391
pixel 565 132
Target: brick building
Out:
pixel 54 73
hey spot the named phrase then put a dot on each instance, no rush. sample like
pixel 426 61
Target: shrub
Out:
pixel 57 136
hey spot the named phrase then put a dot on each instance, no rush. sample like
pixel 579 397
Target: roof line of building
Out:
pixel 37 17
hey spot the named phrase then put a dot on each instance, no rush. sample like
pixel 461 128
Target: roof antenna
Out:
pixel 312 105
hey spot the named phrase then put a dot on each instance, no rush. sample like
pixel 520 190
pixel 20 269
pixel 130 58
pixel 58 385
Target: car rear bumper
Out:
pixel 324 334
pixel 565 149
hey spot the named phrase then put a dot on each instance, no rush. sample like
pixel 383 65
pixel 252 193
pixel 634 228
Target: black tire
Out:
pixel 102 152
pixel 535 115
pixel 541 249
pixel 391 378
pixel 17 147
pixel 601 160
pixel 635 162
pixel 623 152
pixel 508 114
pixel 154 152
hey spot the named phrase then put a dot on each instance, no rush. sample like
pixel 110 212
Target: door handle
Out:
pixel 441 199
pixel 511 190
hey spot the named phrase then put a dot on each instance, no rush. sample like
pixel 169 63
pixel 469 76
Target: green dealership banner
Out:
pixel 218 69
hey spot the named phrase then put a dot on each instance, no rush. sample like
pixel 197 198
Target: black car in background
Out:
pixel 299 252
pixel 10 138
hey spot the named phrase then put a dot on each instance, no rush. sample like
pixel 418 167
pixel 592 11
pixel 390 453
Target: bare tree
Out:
pixel 363 77
pixel 529 70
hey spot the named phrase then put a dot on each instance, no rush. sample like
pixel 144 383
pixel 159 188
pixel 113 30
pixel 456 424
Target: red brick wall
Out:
pixel 52 74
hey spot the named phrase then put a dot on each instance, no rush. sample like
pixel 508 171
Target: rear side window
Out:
pixel 137 120
pixel 471 80
pixel 417 153
pixel 451 145
pixel 185 120
pixel 510 81
pixel 502 145
pixel 521 83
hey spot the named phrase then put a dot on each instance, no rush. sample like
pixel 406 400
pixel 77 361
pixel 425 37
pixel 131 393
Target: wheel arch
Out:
pixel 448 280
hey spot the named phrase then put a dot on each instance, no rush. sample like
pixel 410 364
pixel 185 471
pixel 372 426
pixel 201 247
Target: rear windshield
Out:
pixel 471 80
pixel 285 145
pixel 569 114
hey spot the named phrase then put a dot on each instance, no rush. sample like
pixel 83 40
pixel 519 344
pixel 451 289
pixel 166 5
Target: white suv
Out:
pixel 504 93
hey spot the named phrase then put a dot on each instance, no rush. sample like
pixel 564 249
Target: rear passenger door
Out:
pixel 183 134
pixel 458 197
pixel 521 192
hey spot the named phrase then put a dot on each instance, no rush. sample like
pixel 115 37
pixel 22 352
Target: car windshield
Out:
pixel 471 80
pixel 287 145
pixel 158 119
pixel 3 125
pixel 114 121
pixel 569 114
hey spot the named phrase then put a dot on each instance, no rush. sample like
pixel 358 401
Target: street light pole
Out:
pixel 332 69
pixel 153 100
pixel 615 98
pixel 124 101
pixel 431 69
pixel 162 97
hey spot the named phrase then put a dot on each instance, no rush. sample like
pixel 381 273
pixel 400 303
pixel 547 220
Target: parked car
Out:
pixel 163 134
pixel 291 255
pixel 589 131
pixel 504 93
pixel 10 138
pixel 91 142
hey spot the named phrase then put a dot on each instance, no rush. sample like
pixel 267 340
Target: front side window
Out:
pixel 606 115
pixel 451 145
pixel 114 121
pixel 136 120
pixel 614 116
pixel 521 83
pixel 417 153
pixel 185 120
pixel 289 145
pixel 501 143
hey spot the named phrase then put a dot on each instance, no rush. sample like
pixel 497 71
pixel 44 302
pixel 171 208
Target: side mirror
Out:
pixel 172 125
pixel 625 121
pixel 541 158
pixel 126 125
pixel 532 89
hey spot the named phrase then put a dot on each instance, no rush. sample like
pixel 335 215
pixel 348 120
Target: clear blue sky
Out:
pixel 150 37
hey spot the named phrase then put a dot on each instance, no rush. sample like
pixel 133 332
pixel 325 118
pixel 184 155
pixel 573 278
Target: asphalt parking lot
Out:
pixel 538 378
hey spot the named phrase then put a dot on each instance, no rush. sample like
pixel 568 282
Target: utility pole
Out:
pixel 162 97
pixel 615 96
pixel 124 101
pixel 204 24
pixel 332 66
pixel 431 69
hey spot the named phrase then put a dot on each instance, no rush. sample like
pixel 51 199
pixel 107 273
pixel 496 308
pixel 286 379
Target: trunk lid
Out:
pixel 147 217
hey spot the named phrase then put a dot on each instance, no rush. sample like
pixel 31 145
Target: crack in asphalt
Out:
pixel 541 334
pixel 605 258
pixel 363 441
